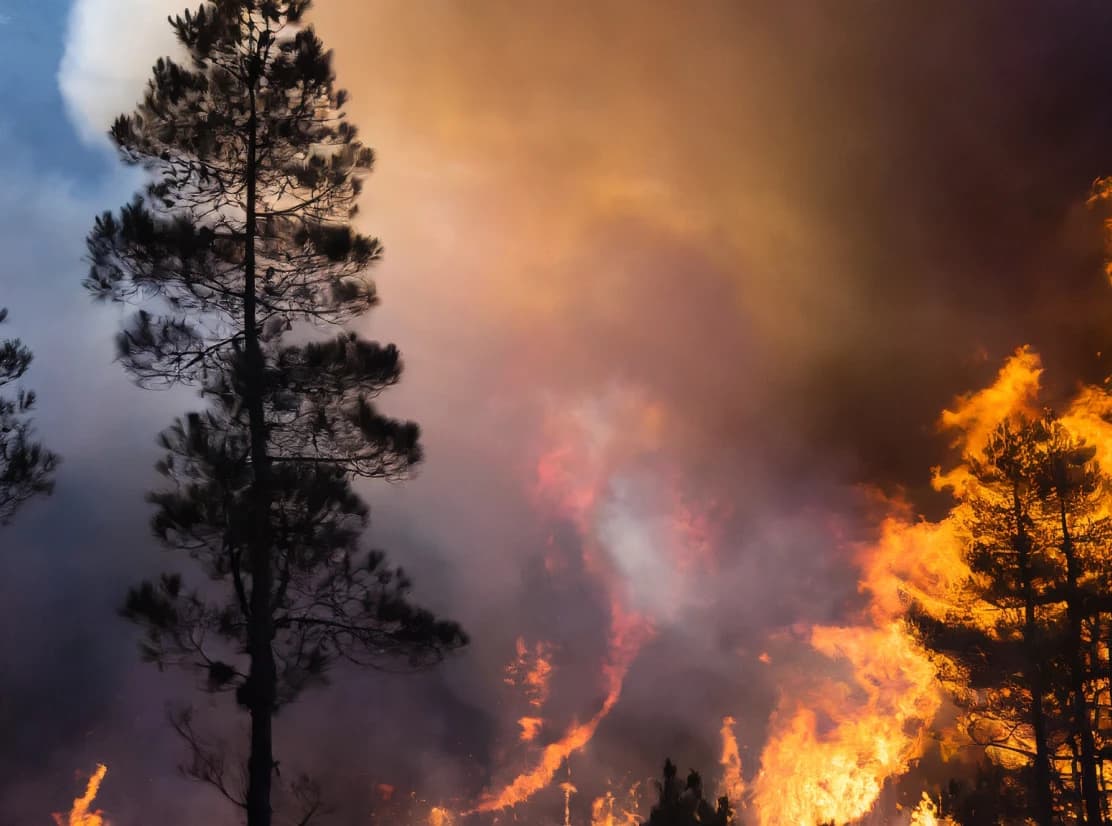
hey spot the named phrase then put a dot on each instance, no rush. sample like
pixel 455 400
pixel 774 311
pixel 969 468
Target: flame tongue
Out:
pixel 733 786
pixel 80 814
pixel 628 633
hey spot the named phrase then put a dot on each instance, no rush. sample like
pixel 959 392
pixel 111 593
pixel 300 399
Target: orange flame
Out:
pixel 828 760
pixel 926 814
pixel 628 632
pixel 574 477
pixel 733 786
pixel 605 810
pixel 80 814
pixel 833 749
pixel 532 671
pixel 568 789
pixel 530 728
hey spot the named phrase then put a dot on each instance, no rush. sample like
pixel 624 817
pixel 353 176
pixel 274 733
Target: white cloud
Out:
pixel 109 50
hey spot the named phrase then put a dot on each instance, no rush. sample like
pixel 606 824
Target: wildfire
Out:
pixel 834 746
pixel 80 814
pixel 577 478
pixel 864 714
pixel 627 635
pixel 828 759
pixel 440 817
pixel 926 814
pixel 606 811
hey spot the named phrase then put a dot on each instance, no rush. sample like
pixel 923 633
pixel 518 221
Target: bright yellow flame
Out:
pixel 440 817
pixel 80 814
pixel 827 759
pixel 926 814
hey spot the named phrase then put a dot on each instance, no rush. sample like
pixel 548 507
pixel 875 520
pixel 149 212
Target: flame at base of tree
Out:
pixel 732 785
pixel 926 814
pixel 82 814
pixel 830 753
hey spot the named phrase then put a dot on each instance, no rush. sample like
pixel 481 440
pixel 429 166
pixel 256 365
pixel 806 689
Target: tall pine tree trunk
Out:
pixel 262 679
pixel 1044 811
pixel 1082 724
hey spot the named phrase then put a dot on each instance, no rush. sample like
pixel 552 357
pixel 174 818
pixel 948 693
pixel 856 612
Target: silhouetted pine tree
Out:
pixel 1071 489
pixel 682 803
pixel 243 237
pixel 26 467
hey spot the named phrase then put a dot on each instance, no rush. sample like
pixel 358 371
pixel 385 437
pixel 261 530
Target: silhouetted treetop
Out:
pixel 26 467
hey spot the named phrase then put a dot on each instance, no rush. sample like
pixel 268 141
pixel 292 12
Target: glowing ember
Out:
pixel 440 817
pixel 80 814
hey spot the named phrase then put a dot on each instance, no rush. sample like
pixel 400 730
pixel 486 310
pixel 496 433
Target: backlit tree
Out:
pixel 241 257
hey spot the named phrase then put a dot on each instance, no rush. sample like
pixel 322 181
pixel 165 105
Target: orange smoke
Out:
pixel 80 814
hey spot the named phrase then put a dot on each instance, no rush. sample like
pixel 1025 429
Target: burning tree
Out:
pixel 1028 665
pixel 243 237
pixel 26 467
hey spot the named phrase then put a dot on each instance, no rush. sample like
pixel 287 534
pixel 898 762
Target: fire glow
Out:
pixel 82 813
pixel 870 714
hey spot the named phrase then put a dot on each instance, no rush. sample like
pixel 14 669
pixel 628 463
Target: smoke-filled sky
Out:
pixel 728 259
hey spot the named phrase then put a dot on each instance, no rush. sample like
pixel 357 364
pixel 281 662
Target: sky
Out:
pixel 727 259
